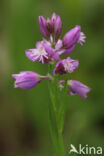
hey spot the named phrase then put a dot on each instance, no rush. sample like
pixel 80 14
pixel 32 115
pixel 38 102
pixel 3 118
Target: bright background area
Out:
pixel 24 127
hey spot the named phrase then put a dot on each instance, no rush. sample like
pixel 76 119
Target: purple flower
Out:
pixel 57 25
pixel 28 79
pixel 76 87
pixel 43 53
pixel 66 65
pixel 51 26
pixel 43 26
pixel 72 37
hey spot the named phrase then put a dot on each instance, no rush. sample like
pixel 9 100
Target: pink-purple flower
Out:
pixel 43 52
pixel 65 66
pixel 72 37
pixel 76 87
pixel 28 79
pixel 43 26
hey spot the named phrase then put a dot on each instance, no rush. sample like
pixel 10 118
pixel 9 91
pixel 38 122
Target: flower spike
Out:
pixel 50 50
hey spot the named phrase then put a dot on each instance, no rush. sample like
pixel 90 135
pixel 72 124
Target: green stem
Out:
pixel 56 134
pixel 61 145
pixel 62 110
pixel 52 129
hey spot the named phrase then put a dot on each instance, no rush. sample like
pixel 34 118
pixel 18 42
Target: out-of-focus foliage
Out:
pixel 24 113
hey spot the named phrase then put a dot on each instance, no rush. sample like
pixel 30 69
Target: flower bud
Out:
pixel 26 79
pixel 51 26
pixel 57 28
pixel 72 37
pixel 76 87
pixel 43 26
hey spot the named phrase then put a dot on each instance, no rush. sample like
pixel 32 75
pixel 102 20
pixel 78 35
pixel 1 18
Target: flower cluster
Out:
pixel 50 50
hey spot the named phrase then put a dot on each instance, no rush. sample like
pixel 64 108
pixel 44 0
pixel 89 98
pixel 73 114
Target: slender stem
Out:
pixel 52 129
pixel 60 138
pixel 56 134
pixel 62 110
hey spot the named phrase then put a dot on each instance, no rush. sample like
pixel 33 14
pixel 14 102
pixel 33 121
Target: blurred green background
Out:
pixel 24 129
